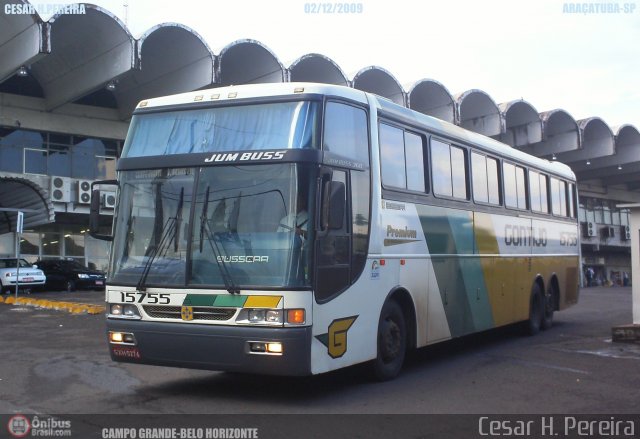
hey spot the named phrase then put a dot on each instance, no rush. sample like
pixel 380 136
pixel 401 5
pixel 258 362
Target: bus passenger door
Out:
pixel 333 243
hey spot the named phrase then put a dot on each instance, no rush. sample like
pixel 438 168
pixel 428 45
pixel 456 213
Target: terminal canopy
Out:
pixel 20 194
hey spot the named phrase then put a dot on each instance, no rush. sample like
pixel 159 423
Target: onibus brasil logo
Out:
pixel 19 426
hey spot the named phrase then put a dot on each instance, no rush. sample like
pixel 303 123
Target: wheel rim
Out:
pixel 390 340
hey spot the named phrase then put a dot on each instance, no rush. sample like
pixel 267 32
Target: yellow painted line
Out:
pixel 262 301
pixel 72 307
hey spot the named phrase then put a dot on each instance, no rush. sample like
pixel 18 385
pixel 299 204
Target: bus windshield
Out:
pixel 283 125
pixel 231 230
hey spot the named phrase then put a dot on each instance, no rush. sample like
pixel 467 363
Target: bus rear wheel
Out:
pixel 536 311
pixel 549 308
pixel 392 342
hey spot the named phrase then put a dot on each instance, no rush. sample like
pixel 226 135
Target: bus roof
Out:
pixel 387 107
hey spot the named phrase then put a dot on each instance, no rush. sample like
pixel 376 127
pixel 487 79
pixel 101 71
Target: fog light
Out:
pixel 122 338
pixel 265 348
pixel 258 347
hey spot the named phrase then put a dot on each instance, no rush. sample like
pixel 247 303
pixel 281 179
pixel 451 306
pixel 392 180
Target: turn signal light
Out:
pixel 296 316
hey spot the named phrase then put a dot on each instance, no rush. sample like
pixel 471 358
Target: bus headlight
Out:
pixel 261 316
pixel 124 311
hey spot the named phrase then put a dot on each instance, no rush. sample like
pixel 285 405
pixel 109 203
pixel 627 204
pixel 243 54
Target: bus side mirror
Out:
pixel 333 205
pixel 94 213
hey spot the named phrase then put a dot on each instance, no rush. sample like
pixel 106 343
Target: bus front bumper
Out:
pixel 212 347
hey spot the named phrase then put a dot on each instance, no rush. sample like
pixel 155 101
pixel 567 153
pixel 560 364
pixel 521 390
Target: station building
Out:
pixel 68 87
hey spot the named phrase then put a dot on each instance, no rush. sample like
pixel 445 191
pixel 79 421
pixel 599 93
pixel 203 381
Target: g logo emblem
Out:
pixel 186 312
pixel 336 339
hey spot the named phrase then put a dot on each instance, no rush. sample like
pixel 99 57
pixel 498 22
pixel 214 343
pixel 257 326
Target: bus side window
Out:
pixel 449 170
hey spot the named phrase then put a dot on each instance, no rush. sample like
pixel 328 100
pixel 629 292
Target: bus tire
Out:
pixel 549 308
pixel 536 310
pixel 391 342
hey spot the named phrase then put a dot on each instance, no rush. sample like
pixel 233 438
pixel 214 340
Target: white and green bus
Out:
pixel 297 228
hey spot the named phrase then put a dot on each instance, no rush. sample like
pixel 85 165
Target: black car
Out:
pixel 70 275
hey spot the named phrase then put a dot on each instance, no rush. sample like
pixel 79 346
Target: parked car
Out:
pixel 69 275
pixel 30 276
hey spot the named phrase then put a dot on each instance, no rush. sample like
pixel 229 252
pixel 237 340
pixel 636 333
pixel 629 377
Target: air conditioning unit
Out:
pixel 60 189
pixel 588 229
pixel 108 199
pixel 608 232
pixel 625 233
pixel 84 191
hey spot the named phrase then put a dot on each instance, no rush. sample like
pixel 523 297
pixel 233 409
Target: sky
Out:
pixel 548 52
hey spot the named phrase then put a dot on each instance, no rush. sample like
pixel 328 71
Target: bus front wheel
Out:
pixel 392 342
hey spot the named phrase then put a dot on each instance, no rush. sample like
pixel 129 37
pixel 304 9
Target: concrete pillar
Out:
pixel 631 333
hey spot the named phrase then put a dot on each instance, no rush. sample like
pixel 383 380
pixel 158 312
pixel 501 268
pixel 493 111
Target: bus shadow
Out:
pixel 307 391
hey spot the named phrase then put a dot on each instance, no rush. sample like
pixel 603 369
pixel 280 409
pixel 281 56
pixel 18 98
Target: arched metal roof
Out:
pixel 596 140
pixel 522 123
pixel 24 39
pixel 430 97
pixel 478 112
pixel 248 62
pixel 314 67
pixel 71 58
pixel 88 51
pixel 627 152
pixel 172 59
pixel 560 133
pixel 377 80
pixel 26 196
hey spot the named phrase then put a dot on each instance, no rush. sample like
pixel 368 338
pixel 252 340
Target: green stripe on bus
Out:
pixel 199 300
pixel 460 280
pixel 214 300
pixel 234 301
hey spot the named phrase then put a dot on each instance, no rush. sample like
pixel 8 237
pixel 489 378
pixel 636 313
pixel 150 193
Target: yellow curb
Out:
pixel 71 307
pixel 96 309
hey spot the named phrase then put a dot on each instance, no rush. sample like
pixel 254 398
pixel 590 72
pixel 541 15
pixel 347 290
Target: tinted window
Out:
pixel 414 156
pixel 392 156
pixel 493 181
pixel 458 173
pixel 559 197
pixel 441 168
pixel 345 131
pixel 538 192
pixel 479 171
pixel 514 186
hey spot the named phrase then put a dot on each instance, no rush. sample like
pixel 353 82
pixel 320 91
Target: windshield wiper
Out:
pixel 169 233
pixel 213 243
